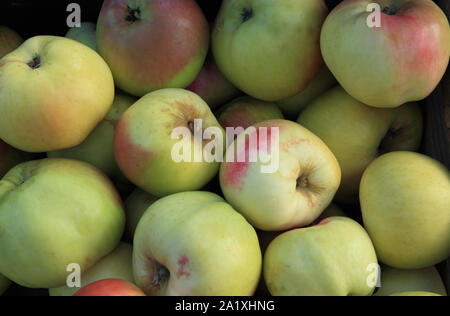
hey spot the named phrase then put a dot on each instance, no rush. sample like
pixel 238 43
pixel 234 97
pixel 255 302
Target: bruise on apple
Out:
pixel 183 263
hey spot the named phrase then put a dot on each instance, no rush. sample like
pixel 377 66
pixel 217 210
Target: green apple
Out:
pixel 110 287
pixel 98 148
pixel 135 206
pixel 401 60
pixel 85 34
pixel 53 213
pixel 246 111
pixel 405 204
pixel 9 40
pixel 54 92
pixel 357 133
pixel 144 142
pixel 291 107
pixel 398 281
pixel 269 48
pixel 4 284
pixel 202 248
pixel 115 265
pixel 151 44
pixel 293 188
pixel 212 86
pixel 334 258
pixel 417 293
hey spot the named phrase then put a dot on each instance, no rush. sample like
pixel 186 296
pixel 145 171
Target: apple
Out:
pixel 135 206
pixel 117 264
pixel 204 248
pixel 357 133
pixel 398 281
pixel 212 86
pixel 85 34
pixel 405 204
pixel 417 293
pixel 291 107
pixel 298 184
pixel 54 92
pixel 334 258
pixel 9 40
pixel 151 44
pixel 110 287
pixel 244 112
pixel 269 49
pixel 10 157
pixel 400 61
pixel 53 213
pixel 98 148
pixel 4 284
pixel 144 145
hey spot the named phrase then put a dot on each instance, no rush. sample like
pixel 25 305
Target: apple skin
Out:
pixel 357 133
pixel 10 157
pixel 291 107
pixel 135 206
pixel 143 144
pixel 110 287
pixel 86 34
pixel 164 48
pixel 247 111
pixel 61 110
pixel 399 281
pixel 208 248
pixel 296 194
pixel 248 37
pixel 212 86
pixel 329 259
pixel 401 61
pixel 9 40
pixel 98 148
pixel 4 284
pixel 415 293
pixel 405 200
pixel 115 265
pixel 54 212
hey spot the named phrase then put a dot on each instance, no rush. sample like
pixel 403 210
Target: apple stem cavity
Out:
pixel 302 182
pixel 133 15
pixel 247 14
pixel 390 9
pixel 35 63
pixel 161 275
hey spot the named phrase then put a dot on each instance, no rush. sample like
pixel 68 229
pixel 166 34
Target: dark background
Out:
pixel 48 17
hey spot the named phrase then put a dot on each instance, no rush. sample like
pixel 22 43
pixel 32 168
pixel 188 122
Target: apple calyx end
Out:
pixel 133 15
pixel 246 14
pixel 302 182
pixel 35 63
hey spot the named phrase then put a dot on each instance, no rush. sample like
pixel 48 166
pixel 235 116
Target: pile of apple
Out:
pixel 102 104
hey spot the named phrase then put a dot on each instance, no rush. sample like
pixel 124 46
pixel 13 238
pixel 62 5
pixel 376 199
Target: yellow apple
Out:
pixel 195 244
pixel 53 92
pixel 405 204
pixel 334 258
